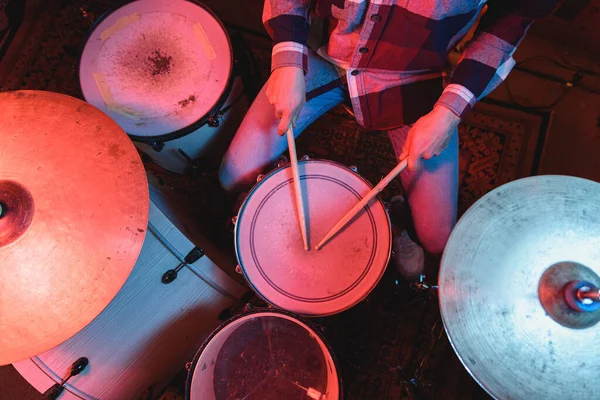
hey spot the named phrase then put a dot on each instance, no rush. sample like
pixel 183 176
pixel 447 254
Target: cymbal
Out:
pixel 74 211
pixel 503 285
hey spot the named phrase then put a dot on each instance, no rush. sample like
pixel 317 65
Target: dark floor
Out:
pixel 399 326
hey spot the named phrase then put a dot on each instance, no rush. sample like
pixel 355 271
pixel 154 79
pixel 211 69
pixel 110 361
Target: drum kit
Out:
pixel 108 289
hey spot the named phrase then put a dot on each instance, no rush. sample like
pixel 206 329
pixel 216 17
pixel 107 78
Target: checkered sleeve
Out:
pixel 487 58
pixel 287 22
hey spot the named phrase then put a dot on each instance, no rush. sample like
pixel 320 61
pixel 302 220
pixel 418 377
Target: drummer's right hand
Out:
pixel 286 91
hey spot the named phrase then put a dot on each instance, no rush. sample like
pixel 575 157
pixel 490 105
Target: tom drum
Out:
pixel 163 70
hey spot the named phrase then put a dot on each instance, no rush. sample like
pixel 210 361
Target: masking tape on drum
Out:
pixel 109 100
pixel 209 50
pixel 120 24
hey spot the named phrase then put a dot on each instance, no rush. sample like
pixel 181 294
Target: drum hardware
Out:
pixel 354 168
pixel 157 146
pixel 582 296
pixel 259 178
pixel 238 269
pixel 306 158
pixel 194 255
pixel 55 390
pixel 423 286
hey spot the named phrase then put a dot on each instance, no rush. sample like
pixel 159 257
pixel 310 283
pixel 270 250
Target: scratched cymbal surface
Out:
pixel 501 288
pixel 74 212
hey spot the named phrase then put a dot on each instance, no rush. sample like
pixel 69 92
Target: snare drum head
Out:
pixel 263 355
pixel 270 249
pixel 156 66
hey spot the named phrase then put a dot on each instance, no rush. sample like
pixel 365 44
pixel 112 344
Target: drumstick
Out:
pixel 356 209
pixel 297 187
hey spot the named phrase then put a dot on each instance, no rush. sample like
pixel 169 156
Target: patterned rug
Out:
pixel 392 345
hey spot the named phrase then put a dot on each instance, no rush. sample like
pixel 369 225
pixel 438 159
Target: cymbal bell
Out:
pixel 513 269
pixel 73 215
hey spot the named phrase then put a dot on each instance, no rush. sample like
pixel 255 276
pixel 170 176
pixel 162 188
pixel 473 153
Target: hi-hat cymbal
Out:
pixel 74 211
pixel 503 280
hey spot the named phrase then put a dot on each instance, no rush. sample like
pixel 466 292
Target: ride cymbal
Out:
pixel 73 217
pixel 505 283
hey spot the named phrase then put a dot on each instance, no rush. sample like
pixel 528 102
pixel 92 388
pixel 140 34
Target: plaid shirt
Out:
pixel 392 53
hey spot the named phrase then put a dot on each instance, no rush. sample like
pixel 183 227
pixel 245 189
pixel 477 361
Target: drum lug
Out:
pixel 238 269
pixel 259 178
pixel 157 146
pixel 386 205
pixel 194 255
pixel 281 163
pixel 76 368
pixel 188 366
pixel 354 168
pixel 305 158
pixel 392 254
pixel 234 220
pixel 213 121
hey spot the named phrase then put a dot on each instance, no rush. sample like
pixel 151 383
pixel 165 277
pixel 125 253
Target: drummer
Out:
pixel 387 59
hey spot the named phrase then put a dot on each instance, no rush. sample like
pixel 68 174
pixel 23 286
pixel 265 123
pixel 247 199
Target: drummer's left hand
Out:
pixel 429 136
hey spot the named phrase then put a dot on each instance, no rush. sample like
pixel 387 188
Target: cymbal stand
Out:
pixel 423 286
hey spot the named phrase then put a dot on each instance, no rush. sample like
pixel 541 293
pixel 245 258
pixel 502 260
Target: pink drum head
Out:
pixel 156 66
pixel 314 283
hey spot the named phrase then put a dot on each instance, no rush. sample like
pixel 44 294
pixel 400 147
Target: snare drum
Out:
pixel 163 70
pixel 270 250
pixel 266 355
pixel 153 326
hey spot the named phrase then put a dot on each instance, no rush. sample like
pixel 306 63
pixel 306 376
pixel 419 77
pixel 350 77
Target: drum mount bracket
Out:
pixel 55 390
pixel 194 255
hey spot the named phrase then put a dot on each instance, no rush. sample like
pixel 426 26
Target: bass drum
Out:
pixel 154 325
pixel 264 355
pixel 163 70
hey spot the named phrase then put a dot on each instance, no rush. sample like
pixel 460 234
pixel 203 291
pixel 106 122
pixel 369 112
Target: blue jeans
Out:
pixel 432 191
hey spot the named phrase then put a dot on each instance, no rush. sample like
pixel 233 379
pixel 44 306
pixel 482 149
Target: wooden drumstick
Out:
pixel 297 187
pixel 356 209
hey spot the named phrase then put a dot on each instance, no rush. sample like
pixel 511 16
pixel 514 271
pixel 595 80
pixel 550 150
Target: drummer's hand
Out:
pixel 286 91
pixel 429 136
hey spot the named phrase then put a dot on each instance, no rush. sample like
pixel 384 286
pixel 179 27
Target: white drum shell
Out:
pixel 149 331
pixel 203 140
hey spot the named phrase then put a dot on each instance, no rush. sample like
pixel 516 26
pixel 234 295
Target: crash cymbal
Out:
pixel 74 211
pixel 505 283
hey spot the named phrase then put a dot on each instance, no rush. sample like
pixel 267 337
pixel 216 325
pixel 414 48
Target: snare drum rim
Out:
pixel 264 179
pixel 165 137
pixel 261 310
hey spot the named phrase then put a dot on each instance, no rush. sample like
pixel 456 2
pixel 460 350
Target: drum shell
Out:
pixel 206 139
pixel 150 330
pixel 333 366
